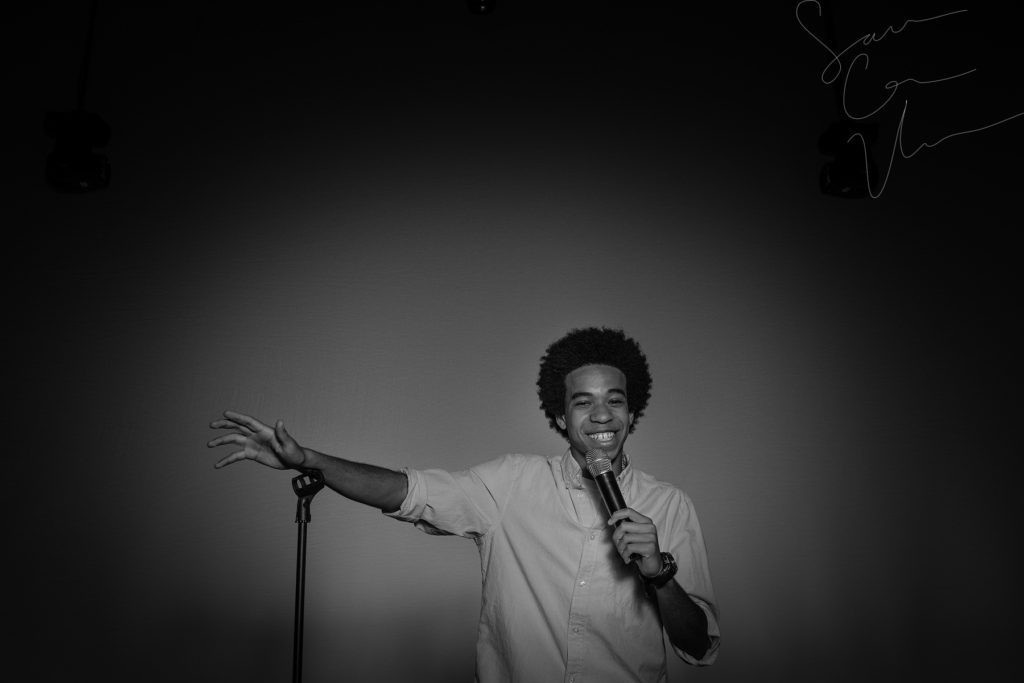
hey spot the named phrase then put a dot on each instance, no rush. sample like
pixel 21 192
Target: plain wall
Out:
pixel 371 225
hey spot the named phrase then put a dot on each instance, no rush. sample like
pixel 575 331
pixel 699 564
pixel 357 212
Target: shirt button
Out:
pixel 593 536
pixel 575 629
pixel 583 583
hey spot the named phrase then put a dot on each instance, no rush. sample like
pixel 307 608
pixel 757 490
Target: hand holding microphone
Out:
pixel 635 536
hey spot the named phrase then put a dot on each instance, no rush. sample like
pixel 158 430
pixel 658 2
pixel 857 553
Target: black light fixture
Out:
pixel 480 6
pixel 74 165
pixel 852 168
pixel 849 142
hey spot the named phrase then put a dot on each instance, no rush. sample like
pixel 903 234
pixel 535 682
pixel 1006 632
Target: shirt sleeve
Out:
pixel 686 543
pixel 467 503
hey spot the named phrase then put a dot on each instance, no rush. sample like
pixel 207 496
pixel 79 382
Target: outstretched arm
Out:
pixel 274 447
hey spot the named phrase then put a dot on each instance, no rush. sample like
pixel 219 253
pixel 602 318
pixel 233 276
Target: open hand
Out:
pixel 270 446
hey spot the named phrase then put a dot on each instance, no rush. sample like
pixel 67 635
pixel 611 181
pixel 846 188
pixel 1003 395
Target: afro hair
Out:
pixel 593 346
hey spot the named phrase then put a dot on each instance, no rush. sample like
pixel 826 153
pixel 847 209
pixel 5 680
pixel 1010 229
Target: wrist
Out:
pixel 311 460
pixel 647 576
pixel 665 574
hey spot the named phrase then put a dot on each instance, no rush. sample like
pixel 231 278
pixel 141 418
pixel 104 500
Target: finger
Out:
pixel 227 438
pixel 646 544
pixel 636 540
pixel 632 529
pixel 627 513
pixel 629 527
pixel 234 457
pixel 629 555
pixel 641 536
pixel 246 420
pixel 625 528
pixel 228 424
pixel 618 515
pixel 630 551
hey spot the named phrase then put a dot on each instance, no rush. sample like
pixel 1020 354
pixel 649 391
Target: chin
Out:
pixel 612 451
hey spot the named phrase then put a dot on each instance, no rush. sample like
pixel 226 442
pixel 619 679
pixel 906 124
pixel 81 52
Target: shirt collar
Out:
pixel 572 475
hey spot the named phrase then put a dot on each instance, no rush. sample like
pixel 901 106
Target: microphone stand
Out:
pixel 306 486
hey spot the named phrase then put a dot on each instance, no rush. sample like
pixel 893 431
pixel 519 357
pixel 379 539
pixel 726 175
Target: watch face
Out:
pixel 668 569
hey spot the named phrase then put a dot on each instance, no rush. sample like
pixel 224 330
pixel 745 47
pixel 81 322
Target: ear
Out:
pixel 631 419
pixel 560 421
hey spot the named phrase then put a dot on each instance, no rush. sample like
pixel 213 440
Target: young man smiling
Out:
pixel 569 592
pixel 598 414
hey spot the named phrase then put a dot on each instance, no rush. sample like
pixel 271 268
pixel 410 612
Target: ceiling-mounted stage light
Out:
pixel 480 6
pixel 848 142
pixel 73 165
pixel 852 168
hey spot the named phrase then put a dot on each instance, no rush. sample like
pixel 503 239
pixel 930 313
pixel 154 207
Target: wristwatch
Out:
pixel 668 570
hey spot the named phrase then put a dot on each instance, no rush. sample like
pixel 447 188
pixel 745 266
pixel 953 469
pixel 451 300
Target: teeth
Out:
pixel 603 436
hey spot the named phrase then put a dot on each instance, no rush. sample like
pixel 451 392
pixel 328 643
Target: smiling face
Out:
pixel 596 414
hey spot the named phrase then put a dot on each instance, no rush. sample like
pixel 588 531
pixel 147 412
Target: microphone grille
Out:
pixel 597 462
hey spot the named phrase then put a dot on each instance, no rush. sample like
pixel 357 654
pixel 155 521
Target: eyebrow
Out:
pixel 578 394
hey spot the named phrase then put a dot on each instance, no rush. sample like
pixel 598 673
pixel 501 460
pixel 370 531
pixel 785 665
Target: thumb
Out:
pixel 283 437
pixel 291 453
pixel 279 431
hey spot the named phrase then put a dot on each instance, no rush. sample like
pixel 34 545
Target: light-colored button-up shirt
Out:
pixel 558 602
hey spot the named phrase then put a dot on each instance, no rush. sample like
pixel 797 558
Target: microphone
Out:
pixel 600 468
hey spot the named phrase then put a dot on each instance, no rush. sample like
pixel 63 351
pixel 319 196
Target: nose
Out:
pixel 600 414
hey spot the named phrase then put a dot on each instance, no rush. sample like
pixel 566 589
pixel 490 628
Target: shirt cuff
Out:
pixel 713 635
pixel 407 512
pixel 412 508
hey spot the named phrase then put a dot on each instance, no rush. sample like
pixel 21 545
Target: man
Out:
pixel 569 592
